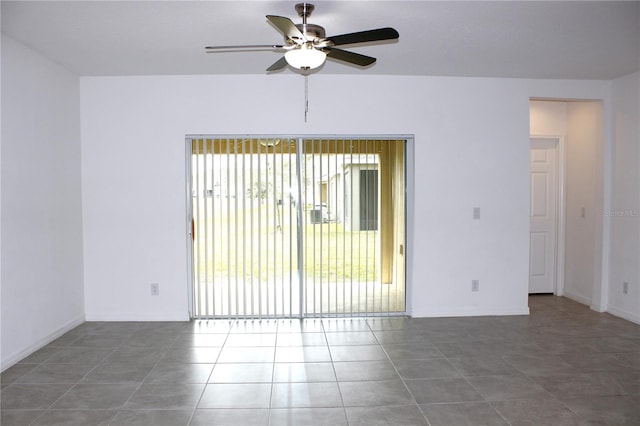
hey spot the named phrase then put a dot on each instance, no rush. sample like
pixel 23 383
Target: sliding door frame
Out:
pixel 409 173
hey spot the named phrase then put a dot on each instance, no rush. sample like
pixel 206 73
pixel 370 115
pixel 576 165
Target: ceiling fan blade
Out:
pixel 278 65
pixel 211 49
pixel 286 26
pixel 365 36
pixel 351 57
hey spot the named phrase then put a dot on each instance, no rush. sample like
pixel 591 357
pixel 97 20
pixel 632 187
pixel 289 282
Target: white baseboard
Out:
pixel 13 358
pixel 621 313
pixel 468 312
pixel 577 298
pixel 138 316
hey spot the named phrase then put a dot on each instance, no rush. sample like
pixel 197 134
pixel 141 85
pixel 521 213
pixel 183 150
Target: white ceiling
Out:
pixel 575 40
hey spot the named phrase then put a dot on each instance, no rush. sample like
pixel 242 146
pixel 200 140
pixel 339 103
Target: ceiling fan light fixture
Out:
pixel 306 57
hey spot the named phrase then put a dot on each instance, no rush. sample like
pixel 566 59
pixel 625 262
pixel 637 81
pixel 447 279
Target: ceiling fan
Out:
pixel 306 45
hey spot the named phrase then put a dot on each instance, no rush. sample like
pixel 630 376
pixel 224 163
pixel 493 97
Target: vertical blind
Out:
pixel 292 227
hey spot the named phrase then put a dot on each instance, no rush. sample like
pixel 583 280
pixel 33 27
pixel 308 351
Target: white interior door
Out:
pixel 544 206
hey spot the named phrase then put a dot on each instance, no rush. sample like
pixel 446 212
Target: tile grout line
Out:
pixel 273 368
pixel 138 387
pixel 402 379
pixel 333 367
pixel 73 385
pixel 215 363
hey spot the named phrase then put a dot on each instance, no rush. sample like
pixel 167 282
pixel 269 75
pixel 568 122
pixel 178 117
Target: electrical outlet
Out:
pixel 625 287
pixel 475 285
pixel 155 289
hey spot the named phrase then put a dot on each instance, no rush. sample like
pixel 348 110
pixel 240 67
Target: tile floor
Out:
pixel 562 365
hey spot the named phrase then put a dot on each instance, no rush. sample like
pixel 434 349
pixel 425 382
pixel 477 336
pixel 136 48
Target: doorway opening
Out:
pixel 577 126
pixel 297 227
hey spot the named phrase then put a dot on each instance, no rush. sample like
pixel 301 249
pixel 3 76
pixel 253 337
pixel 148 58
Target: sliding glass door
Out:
pixel 291 227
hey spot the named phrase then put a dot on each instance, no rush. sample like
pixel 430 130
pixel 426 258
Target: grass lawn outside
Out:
pixel 246 263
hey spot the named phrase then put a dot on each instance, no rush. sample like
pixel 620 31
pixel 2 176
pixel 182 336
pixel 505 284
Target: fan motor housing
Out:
pixel 312 31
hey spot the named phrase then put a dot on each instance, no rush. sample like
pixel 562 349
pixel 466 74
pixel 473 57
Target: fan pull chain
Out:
pixel 306 96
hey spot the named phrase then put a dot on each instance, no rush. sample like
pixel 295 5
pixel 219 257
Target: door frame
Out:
pixel 409 166
pixel 560 207
pixel 189 226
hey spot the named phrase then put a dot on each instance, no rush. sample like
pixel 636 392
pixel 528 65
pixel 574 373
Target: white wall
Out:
pixel 42 263
pixel 471 150
pixel 584 203
pixel 548 118
pixel 624 213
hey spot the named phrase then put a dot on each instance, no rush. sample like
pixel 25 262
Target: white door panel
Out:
pixel 538 261
pixel 544 193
